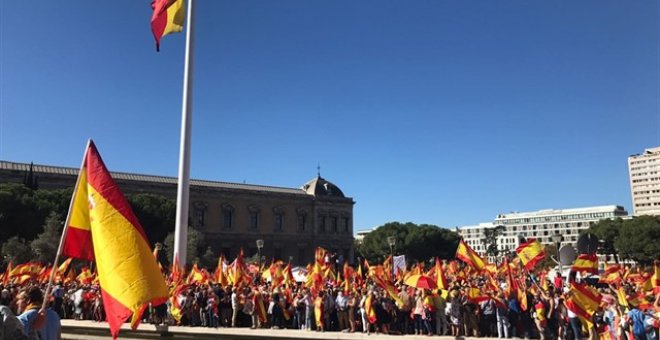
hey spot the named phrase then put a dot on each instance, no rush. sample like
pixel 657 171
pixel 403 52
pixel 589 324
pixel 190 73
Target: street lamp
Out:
pixel 557 238
pixel 260 244
pixel 391 240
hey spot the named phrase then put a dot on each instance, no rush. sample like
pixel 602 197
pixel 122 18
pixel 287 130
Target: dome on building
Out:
pixel 318 186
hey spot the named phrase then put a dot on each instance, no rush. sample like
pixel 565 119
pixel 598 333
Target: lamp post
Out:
pixel 391 240
pixel 557 238
pixel 260 244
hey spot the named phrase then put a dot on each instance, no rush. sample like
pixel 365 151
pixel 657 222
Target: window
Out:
pixel 254 220
pixel 279 222
pixel 227 216
pixel 333 224
pixel 277 254
pixel 254 214
pixel 346 225
pixel 199 214
pixel 302 219
pixel 200 217
pixel 278 219
pixel 321 224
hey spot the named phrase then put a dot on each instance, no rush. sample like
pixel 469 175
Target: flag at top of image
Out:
pixel 102 227
pixel 530 253
pixel 469 256
pixel 167 18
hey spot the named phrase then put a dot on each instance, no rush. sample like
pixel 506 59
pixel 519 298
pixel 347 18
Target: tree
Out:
pixel 607 232
pixel 209 259
pixel 490 240
pixel 638 239
pixel 417 242
pixel 16 250
pixel 156 214
pixel 44 247
pixel 196 244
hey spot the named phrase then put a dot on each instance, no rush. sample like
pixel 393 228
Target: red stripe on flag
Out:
pixel 99 178
pixel 78 244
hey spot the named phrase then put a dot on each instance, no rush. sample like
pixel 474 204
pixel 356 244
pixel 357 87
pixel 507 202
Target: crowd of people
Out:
pixel 471 305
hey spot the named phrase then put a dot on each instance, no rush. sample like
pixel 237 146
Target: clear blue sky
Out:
pixel 440 112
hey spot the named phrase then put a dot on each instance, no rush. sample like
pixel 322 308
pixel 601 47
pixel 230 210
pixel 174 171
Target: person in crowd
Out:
pixel 341 304
pixel 32 317
pixel 10 327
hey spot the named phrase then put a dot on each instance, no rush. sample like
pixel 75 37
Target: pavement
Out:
pixel 91 330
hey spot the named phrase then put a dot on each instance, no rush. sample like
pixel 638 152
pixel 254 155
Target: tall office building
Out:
pixel 644 171
pixel 540 225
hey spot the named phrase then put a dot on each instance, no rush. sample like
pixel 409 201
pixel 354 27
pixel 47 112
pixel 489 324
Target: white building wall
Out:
pixel 540 225
pixel 644 174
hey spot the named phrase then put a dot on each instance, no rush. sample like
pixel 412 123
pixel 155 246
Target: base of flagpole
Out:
pixel 163 329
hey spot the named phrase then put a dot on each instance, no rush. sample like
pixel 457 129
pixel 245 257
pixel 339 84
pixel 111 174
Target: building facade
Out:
pixel 644 173
pixel 540 225
pixel 291 221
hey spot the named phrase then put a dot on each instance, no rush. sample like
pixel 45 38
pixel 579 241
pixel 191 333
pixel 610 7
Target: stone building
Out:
pixel 291 221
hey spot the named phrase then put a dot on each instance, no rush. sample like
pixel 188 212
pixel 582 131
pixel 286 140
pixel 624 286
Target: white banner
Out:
pixel 399 263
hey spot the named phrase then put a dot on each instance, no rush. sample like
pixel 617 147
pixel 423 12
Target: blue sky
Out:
pixel 440 112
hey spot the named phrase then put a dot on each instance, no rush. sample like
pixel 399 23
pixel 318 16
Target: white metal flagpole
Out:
pixel 183 190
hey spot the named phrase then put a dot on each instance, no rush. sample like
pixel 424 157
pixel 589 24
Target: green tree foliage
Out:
pixel 196 245
pixel 16 249
pixel 44 247
pixel 490 239
pixel 638 239
pixel 607 232
pixel 156 214
pixel 417 242
pixel 23 211
pixel 209 259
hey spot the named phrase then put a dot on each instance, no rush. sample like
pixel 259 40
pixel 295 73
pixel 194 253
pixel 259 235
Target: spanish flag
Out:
pixel 167 18
pixel 584 302
pixel 319 313
pixel 530 253
pixel 586 263
pixel 102 226
pixel 469 256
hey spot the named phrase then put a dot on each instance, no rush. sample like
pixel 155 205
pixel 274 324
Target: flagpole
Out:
pixel 66 227
pixel 183 190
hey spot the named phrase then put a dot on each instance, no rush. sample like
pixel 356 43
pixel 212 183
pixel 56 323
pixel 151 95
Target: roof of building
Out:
pixel 319 186
pixel 49 169
pixel 549 212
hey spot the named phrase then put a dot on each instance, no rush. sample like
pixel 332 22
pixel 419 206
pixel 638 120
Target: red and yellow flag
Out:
pixel 584 302
pixel 530 253
pixel 220 273
pixel 469 256
pixel 167 18
pixel 319 313
pixel 586 263
pixel 103 227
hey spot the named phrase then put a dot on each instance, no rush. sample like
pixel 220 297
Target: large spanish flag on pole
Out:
pixel 103 225
pixel 530 253
pixel 469 256
pixel 167 18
